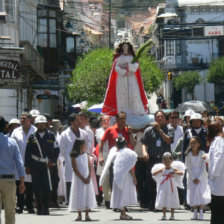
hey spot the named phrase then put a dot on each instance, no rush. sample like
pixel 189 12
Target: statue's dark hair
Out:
pixel 119 49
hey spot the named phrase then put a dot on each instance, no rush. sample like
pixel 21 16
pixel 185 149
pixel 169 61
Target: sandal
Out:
pixel 88 218
pixel 125 217
pixel 79 218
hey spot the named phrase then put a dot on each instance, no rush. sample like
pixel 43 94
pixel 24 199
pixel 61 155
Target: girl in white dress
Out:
pixel 168 176
pixel 82 195
pixel 198 192
pixel 123 190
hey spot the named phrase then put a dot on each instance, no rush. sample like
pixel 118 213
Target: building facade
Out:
pixel 190 36
pixel 19 61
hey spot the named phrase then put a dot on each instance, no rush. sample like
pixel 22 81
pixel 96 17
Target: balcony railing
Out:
pixel 31 58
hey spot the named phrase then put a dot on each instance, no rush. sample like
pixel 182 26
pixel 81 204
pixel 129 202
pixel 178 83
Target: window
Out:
pixel 198 31
pixel 42 33
pixel 70 44
pixel 169 47
pixel 194 10
pixel 220 9
pixel 178 47
pixel 203 9
pixel 47 32
pixel 212 9
pixel 10 9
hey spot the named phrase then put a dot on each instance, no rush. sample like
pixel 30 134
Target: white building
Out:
pixel 190 36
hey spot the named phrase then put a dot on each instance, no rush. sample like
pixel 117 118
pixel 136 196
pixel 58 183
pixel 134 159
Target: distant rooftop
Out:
pixel 182 3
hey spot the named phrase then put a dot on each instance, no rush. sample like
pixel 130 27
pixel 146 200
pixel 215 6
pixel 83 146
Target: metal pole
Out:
pixel 109 24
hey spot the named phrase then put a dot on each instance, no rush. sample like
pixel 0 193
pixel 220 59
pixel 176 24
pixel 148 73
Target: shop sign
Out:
pixel 214 31
pixel 9 69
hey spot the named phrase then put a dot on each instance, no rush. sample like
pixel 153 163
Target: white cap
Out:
pixel 188 113
pixel 40 119
pixel 34 113
pixel 196 116
pixel 14 121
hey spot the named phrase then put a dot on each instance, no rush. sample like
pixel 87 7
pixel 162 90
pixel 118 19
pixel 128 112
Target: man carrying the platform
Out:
pixel 42 152
pixel 113 132
pixel 110 135
pixel 156 141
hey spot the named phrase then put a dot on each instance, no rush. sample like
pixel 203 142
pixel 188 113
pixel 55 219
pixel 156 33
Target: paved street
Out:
pixel 102 215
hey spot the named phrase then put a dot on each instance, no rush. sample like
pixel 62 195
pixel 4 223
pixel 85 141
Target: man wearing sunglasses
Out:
pixel 178 133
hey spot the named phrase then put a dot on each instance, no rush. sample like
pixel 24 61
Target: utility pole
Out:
pixel 109 24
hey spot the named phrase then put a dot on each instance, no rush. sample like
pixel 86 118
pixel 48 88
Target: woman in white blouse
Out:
pixel 216 174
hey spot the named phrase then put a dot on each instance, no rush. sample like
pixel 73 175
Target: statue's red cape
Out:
pixel 110 100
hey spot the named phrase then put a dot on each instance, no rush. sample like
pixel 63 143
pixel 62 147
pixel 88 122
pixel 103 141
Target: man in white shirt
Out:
pixel 67 140
pixel 178 133
pixel 21 135
pixel 105 121
pixel 84 124
pixel 216 174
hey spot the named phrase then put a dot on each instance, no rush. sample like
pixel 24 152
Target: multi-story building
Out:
pixel 35 54
pixel 20 62
pixel 190 36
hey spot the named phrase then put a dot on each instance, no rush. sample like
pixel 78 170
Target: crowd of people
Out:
pixel 102 161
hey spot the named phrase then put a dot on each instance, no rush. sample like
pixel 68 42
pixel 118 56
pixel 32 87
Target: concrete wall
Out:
pixel 207 15
pixel 204 92
pixel 205 50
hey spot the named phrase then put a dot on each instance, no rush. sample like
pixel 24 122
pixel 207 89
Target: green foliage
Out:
pixel 152 76
pixel 216 71
pixel 187 80
pixel 91 75
pixel 144 49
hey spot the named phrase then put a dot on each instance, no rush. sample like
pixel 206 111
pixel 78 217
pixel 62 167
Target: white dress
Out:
pixel 167 194
pixel 82 196
pixel 61 172
pixel 127 89
pixel 123 191
pixel 197 194
pixel 126 196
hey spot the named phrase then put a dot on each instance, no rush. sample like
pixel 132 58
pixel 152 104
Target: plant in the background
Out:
pixel 152 76
pixel 90 77
pixel 216 71
pixel 187 80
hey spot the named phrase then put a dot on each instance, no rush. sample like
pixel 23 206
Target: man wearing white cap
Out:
pixel 187 117
pixel 42 152
pixel 13 124
pixel 34 113
pixel 196 129
pixel 21 135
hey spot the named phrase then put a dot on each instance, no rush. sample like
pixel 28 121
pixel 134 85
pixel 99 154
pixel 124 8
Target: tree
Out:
pixel 90 77
pixel 188 80
pixel 216 71
pixel 152 76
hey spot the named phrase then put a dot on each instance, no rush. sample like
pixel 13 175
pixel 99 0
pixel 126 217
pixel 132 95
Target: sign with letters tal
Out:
pixel 9 69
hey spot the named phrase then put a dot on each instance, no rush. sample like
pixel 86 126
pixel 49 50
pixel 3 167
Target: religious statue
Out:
pixel 125 90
